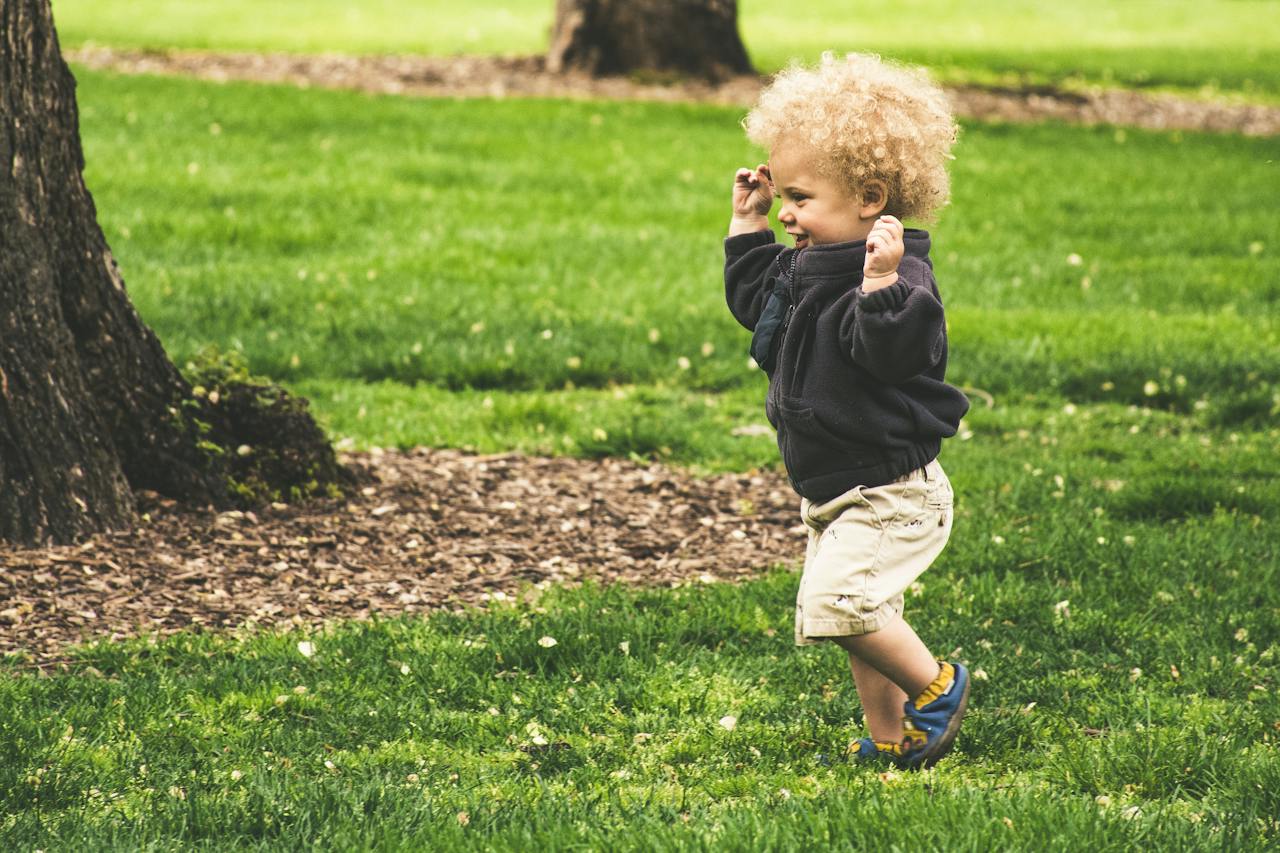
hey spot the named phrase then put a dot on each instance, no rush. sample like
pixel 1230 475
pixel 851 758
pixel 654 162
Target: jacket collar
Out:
pixel 846 259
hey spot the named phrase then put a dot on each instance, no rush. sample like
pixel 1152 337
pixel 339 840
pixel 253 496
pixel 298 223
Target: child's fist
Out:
pixel 752 191
pixel 884 252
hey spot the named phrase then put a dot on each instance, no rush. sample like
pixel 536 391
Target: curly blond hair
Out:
pixel 867 119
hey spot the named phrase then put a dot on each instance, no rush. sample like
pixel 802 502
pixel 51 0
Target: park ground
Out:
pixel 591 418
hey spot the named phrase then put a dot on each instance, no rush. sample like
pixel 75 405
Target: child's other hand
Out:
pixel 752 191
pixel 884 252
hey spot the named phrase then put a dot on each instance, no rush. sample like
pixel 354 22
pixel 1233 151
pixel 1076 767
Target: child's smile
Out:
pixel 816 210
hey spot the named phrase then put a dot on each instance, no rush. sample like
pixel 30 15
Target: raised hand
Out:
pixel 752 192
pixel 884 253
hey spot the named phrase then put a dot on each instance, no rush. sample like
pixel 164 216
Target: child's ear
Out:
pixel 875 196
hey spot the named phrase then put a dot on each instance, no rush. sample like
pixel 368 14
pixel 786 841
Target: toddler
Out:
pixel 849 326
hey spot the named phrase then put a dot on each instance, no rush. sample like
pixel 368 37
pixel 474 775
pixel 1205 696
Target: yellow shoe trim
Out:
pixel 939 685
pixel 912 738
pixel 894 749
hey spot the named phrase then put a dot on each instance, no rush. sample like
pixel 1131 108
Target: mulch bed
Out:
pixel 526 76
pixel 431 529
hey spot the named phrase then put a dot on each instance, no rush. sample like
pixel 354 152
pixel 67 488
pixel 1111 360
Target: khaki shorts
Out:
pixel 865 548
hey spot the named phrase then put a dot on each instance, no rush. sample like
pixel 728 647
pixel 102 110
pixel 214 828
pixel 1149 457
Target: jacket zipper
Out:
pixel 782 341
pixel 791 305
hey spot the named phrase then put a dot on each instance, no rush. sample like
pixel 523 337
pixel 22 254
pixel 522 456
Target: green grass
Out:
pixel 1113 573
pixel 340 240
pixel 1217 45
pixel 1118 595
pixel 1081 733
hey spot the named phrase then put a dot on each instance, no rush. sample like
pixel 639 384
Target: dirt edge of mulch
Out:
pixel 527 76
pixel 431 529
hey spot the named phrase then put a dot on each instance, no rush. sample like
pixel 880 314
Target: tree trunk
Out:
pixel 91 407
pixel 678 38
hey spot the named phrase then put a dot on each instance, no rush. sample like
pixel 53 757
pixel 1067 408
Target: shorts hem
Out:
pixel 817 630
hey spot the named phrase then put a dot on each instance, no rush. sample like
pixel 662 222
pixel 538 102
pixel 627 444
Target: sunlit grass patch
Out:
pixel 1214 44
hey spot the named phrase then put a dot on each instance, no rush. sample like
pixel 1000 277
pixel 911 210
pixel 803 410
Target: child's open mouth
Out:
pixel 802 240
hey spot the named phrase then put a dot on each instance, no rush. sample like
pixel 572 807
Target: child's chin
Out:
pixel 802 242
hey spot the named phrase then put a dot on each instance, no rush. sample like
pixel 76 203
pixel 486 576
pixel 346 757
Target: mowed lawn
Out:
pixel 379 252
pixel 545 276
pixel 1212 45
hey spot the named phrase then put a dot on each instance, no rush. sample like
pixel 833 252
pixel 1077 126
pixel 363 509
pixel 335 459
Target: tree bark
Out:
pixel 91 407
pixel 678 38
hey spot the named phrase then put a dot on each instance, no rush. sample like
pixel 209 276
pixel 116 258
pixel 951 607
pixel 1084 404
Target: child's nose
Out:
pixel 786 214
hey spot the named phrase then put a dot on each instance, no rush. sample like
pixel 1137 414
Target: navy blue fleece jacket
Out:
pixel 856 379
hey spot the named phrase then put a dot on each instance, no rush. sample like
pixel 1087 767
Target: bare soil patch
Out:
pixel 431 529
pixel 526 76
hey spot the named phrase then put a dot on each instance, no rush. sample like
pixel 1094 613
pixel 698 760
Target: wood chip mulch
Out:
pixel 526 76
pixel 432 529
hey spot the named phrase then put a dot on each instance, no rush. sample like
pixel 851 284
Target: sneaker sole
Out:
pixel 942 746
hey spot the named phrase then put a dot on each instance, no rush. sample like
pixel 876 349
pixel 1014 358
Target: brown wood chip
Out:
pixel 606 520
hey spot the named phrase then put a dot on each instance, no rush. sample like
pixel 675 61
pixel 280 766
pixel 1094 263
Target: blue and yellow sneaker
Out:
pixel 869 751
pixel 933 717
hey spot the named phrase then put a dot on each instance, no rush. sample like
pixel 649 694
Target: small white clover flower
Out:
pixel 547 642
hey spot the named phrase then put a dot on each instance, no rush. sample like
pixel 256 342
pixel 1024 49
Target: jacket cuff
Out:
pixel 885 299
pixel 740 244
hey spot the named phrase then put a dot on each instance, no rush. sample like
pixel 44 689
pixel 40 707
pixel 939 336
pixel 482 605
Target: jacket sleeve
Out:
pixel 748 274
pixel 899 331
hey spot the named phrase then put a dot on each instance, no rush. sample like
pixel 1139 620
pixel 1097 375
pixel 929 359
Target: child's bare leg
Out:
pixel 901 660
pixel 882 701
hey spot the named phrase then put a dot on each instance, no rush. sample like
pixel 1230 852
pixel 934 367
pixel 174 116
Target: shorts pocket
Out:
pixel 938 494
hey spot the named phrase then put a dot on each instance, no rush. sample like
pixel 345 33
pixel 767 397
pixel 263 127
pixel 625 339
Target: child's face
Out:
pixel 816 210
